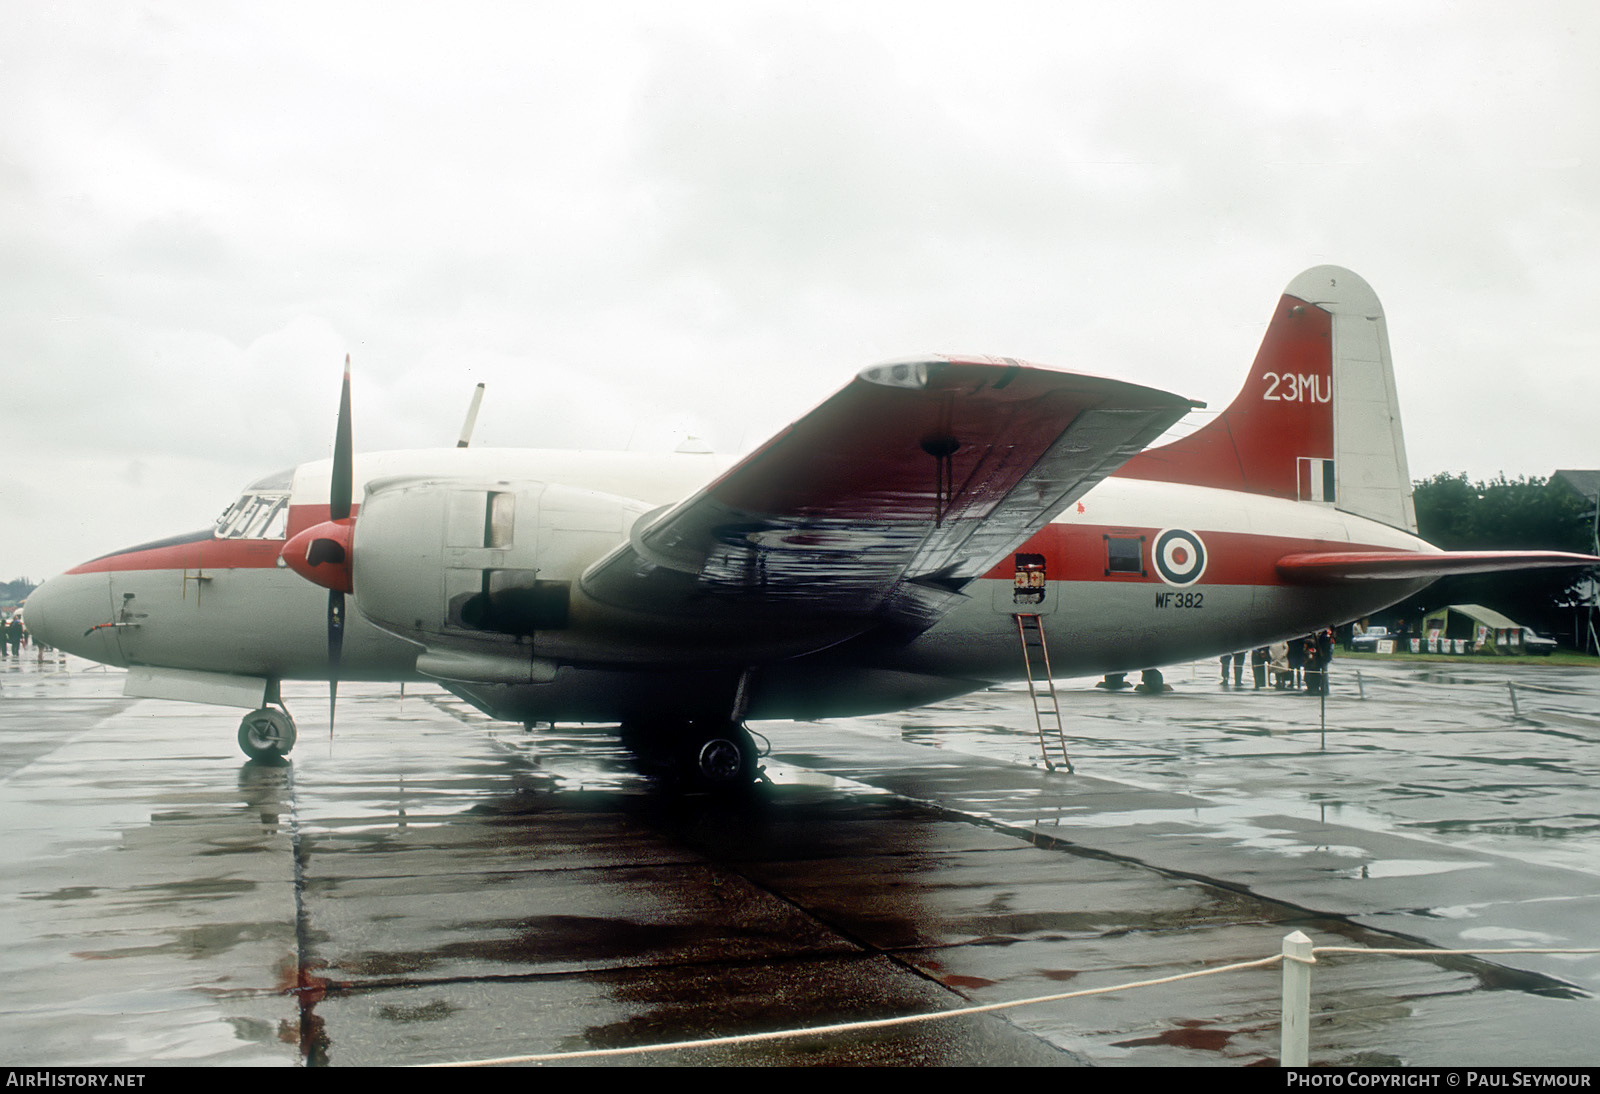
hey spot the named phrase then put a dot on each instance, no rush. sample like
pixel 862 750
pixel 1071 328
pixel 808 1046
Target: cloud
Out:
pixel 634 221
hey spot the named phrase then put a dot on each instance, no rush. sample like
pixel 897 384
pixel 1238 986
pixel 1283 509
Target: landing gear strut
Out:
pixel 267 734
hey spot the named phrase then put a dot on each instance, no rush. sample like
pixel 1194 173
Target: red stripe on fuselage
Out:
pixel 1077 552
pixel 215 554
pixel 208 553
pixel 1073 552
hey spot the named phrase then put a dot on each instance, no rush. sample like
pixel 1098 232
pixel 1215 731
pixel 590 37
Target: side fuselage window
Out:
pixel 1124 555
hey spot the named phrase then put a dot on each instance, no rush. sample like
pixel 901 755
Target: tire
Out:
pixel 721 762
pixel 266 734
pixel 724 759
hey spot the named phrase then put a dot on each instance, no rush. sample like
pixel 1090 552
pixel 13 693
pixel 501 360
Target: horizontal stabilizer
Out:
pixel 1332 567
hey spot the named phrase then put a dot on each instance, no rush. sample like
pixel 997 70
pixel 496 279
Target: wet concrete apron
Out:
pixel 431 886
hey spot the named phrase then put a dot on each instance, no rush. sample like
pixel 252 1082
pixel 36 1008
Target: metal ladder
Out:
pixel 1041 688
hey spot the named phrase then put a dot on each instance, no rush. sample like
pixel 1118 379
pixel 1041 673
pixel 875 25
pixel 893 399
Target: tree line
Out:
pixel 16 590
pixel 1505 514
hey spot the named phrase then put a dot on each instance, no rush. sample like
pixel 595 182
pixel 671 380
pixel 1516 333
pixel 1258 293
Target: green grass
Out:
pixel 1560 657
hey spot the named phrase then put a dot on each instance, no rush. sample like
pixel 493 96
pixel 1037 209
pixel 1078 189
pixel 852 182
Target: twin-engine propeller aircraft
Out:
pixel 874 555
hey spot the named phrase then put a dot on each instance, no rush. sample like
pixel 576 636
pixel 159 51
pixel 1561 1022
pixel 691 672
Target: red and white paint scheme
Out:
pixel 872 556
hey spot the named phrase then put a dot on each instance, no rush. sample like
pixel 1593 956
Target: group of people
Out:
pixel 1299 663
pixel 14 635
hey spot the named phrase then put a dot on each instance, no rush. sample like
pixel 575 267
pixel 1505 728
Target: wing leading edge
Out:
pixel 885 501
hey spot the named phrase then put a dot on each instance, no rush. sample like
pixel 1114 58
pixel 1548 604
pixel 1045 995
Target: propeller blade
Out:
pixel 340 488
pixel 340 491
pixel 335 650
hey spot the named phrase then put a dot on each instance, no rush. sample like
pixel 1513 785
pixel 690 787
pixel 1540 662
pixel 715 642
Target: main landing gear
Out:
pixel 267 734
pixel 705 754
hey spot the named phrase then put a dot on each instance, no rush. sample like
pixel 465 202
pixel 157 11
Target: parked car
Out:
pixel 1534 642
pixel 1368 642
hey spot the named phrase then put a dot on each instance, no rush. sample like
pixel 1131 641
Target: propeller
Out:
pixel 340 487
pixel 322 554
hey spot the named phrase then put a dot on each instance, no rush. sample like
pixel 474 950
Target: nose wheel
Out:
pixel 267 734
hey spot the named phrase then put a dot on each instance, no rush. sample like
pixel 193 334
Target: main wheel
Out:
pixel 723 758
pixel 720 760
pixel 266 734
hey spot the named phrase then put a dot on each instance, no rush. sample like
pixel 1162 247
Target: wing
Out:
pixel 885 501
pixel 1330 567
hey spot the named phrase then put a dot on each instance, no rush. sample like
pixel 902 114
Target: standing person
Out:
pixel 1297 662
pixel 1258 665
pixel 1313 663
pixel 1282 675
pixel 1225 658
pixel 1324 647
pixel 14 634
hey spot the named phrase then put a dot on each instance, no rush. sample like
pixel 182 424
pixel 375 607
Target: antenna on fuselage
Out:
pixel 472 417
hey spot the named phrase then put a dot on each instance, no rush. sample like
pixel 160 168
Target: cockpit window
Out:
pixel 262 511
pixel 278 482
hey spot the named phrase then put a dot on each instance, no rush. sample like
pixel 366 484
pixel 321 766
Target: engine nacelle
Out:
pixel 437 560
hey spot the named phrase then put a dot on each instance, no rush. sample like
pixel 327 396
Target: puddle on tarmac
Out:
pixel 1387 868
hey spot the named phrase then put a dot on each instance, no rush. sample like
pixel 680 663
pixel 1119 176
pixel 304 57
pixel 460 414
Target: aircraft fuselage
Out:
pixel 1136 574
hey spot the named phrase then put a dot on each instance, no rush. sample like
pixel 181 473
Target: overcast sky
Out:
pixel 640 221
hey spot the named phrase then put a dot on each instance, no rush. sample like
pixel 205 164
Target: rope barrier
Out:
pixel 1521 685
pixel 1444 953
pixel 965 1012
pixel 855 1027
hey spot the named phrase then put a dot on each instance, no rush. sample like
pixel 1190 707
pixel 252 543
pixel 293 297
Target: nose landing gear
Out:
pixel 267 734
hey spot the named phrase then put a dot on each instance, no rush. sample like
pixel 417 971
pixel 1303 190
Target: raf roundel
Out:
pixel 1179 557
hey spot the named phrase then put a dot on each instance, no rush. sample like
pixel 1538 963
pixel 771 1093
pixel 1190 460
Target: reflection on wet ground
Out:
pixel 431 886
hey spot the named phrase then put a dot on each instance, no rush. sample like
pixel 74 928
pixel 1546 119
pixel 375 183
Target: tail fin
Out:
pixel 1317 420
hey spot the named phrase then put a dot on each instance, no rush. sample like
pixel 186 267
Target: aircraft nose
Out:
pixel 64 612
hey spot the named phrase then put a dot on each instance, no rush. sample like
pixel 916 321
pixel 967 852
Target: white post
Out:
pixel 1297 962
